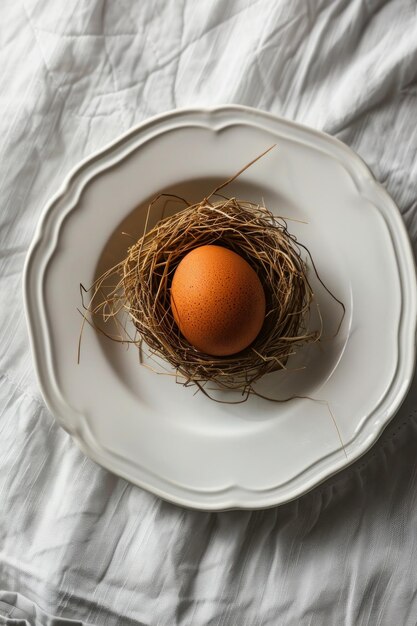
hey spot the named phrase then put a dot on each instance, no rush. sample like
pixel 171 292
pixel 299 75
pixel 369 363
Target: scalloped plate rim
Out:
pixel 57 404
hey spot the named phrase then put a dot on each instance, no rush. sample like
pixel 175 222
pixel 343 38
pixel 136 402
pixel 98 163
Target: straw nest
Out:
pixel 141 291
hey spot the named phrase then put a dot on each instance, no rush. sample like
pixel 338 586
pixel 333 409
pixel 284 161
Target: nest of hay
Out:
pixel 142 281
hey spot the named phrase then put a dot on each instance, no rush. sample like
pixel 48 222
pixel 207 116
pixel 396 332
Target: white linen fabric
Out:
pixel 79 545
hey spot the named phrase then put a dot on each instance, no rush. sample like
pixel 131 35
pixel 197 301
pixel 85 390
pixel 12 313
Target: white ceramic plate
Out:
pixel 163 437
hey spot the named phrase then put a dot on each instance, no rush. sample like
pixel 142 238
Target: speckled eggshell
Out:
pixel 217 300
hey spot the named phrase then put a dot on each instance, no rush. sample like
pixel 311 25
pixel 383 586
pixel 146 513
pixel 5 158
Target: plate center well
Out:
pixel 308 369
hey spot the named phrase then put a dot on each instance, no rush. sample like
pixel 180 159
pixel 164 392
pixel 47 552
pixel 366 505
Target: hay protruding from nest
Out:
pixel 143 279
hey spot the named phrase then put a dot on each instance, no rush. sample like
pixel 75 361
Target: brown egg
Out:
pixel 217 300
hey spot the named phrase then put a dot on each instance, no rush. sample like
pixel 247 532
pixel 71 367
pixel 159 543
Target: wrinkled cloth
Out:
pixel 76 542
